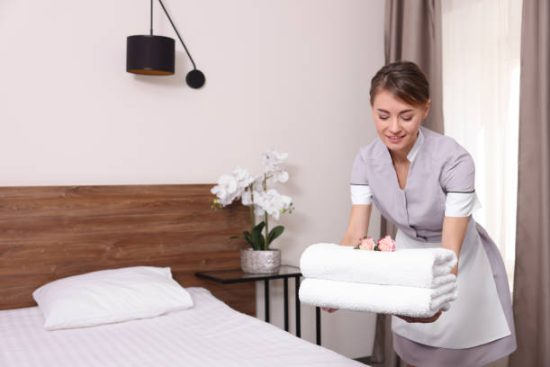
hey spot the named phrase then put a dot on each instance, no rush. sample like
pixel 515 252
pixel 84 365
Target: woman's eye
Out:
pixel 383 117
pixel 406 118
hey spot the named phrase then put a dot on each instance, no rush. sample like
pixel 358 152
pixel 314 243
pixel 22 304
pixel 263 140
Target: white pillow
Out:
pixel 109 296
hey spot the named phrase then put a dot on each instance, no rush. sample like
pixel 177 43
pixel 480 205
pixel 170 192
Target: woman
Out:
pixel 423 182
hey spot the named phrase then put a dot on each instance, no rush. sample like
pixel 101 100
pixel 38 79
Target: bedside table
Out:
pixel 285 272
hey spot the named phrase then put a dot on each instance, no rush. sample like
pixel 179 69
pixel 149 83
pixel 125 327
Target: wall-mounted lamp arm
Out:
pixel 176 30
pixel 151 26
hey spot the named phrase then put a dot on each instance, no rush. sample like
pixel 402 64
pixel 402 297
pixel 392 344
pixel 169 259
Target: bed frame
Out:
pixel 47 233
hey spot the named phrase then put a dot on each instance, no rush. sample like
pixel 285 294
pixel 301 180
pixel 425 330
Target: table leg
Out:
pixel 286 303
pixel 318 324
pixel 297 302
pixel 266 299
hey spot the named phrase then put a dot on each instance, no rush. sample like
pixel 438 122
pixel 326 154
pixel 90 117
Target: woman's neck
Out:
pixel 398 157
pixel 401 156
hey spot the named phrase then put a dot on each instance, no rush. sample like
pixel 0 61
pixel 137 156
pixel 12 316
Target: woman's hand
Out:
pixel 422 320
pixel 329 310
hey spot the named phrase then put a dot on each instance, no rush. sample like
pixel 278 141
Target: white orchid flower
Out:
pixel 272 160
pixel 272 202
pixel 244 179
pixel 281 176
pixel 226 190
pixel 258 211
pixel 253 190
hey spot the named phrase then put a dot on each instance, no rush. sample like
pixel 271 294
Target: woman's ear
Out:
pixel 427 109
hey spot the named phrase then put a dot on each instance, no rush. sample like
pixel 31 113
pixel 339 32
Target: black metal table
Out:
pixel 285 272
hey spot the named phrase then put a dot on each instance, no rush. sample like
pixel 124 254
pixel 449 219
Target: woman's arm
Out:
pixel 454 231
pixel 358 224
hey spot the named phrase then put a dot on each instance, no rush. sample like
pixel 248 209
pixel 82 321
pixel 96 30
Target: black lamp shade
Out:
pixel 150 55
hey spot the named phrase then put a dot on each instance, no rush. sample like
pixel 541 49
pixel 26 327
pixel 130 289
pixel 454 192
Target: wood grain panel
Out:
pixel 47 233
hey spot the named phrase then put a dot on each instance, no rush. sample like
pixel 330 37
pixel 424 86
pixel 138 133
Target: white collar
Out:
pixel 416 147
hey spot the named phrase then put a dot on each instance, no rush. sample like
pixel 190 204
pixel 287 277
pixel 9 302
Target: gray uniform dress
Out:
pixel 479 326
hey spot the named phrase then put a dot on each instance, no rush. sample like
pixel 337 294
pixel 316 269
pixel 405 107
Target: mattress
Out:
pixel 209 334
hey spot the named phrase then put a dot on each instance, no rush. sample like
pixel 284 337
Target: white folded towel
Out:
pixel 391 299
pixel 425 268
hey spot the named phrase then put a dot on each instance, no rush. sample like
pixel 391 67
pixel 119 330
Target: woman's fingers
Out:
pixel 423 320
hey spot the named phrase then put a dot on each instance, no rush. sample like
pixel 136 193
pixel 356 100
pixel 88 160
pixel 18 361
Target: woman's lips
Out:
pixel 395 139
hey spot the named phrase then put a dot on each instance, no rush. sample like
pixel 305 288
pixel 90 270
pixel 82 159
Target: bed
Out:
pixel 47 233
pixel 209 334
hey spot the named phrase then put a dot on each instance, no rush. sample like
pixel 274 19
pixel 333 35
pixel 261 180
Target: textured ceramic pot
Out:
pixel 258 262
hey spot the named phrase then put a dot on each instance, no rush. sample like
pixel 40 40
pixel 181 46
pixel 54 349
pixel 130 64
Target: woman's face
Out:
pixel 397 122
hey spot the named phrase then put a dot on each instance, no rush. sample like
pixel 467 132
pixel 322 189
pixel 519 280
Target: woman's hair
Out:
pixel 404 80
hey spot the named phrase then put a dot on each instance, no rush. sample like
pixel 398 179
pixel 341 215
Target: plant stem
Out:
pixel 252 216
pixel 266 231
pixel 266 217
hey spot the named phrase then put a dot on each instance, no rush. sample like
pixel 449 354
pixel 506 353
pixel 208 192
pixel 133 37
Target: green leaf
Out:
pixel 259 227
pixel 257 237
pixel 274 233
pixel 251 241
pixel 247 237
pixel 261 243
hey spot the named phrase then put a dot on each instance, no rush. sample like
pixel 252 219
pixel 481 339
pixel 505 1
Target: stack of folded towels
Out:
pixel 409 282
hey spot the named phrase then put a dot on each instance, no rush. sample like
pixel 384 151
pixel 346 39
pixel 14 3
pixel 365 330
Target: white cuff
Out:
pixel 461 204
pixel 360 194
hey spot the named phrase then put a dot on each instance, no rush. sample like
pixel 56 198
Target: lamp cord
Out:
pixel 175 29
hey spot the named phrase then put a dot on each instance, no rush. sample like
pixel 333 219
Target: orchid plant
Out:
pixel 253 192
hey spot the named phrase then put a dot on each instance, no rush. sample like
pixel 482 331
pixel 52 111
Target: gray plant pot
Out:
pixel 260 262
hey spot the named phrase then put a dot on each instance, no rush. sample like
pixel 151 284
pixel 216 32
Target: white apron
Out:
pixel 476 317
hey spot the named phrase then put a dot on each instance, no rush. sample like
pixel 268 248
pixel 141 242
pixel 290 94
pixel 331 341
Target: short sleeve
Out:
pixel 461 204
pixel 361 193
pixel 458 174
pixel 458 183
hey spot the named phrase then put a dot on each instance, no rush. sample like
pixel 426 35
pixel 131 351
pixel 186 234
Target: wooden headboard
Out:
pixel 48 233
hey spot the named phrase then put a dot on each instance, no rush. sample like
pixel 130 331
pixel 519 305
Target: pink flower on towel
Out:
pixel 386 244
pixel 367 244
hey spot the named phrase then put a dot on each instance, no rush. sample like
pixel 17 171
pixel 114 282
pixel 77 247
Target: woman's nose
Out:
pixel 395 127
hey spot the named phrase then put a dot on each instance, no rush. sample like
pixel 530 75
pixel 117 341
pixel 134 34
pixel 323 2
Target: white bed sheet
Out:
pixel 210 334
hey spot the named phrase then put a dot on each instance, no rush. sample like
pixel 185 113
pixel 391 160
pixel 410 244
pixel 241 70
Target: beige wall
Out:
pixel 280 73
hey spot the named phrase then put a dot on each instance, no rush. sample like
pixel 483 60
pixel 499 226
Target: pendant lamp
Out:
pixel 155 55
